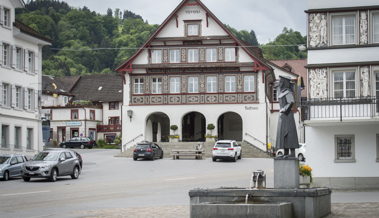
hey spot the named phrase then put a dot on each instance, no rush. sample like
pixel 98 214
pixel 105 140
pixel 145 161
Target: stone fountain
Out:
pixel 286 199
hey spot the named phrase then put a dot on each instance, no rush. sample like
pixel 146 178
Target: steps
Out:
pixel 248 150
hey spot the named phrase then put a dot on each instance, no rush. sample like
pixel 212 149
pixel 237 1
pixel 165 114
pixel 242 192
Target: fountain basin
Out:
pixel 313 202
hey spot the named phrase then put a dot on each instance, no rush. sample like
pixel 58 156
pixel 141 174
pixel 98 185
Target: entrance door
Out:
pixel 193 127
pixel 74 133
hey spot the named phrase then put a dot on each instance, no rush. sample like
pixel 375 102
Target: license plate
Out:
pixel 141 155
pixel 31 173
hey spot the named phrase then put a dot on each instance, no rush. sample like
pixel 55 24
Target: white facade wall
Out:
pixel 10 115
pixel 111 113
pixel 317 4
pixel 49 100
pixel 342 55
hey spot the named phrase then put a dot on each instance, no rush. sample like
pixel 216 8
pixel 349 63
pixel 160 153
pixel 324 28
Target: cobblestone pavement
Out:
pixel 339 210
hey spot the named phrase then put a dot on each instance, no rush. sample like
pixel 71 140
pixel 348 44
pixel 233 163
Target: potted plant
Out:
pixel 305 175
pixel 54 143
pixel 175 137
pixel 210 137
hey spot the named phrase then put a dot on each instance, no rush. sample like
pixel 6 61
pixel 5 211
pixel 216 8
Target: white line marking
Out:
pixel 180 178
pixel 25 193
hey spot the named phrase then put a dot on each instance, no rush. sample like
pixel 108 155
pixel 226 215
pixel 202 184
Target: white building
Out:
pixel 193 72
pixel 20 82
pixel 342 122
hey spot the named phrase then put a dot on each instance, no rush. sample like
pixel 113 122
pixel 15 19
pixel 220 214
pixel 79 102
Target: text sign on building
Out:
pixel 251 108
pixel 77 123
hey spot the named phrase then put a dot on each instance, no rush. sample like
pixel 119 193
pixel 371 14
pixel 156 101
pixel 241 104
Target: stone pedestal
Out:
pixel 286 173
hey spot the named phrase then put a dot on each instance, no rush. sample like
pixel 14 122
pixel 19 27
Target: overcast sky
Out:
pixel 266 17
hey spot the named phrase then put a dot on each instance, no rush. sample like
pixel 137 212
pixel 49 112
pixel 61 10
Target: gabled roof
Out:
pixel 87 88
pixel 253 52
pixel 27 30
pixel 64 84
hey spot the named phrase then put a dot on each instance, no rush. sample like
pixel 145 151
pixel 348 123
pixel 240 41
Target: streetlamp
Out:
pixel 130 114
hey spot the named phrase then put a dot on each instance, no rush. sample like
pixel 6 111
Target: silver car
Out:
pixel 50 164
pixel 10 165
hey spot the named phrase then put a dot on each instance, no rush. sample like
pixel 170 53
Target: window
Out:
pixel 74 114
pixel 18 97
pixel 193 84
pixel 211 54
pixel 174 56
pixel 230 84
pixel 17 137
pixel 65 100
pixel 193 55
pixel 249 83
pixel 343 30
pixel 113 105
pixel 344 148
pixel 375 25
pixel 7 17
pixel 344 84
pixel 31 61
pixel 114 120
pixel 6 55
pixel 30 99
pixel 29 138
pixel 110 137
pixel 4 136
pixel 274 94
pixel 92 115
pixel 6 94
pixel 192 29
pixel 175 85
pixel 230 54
pixel 18 59
pixel 156 56
pixel 157 85
pixel 377 84
pixel 211 84
pixel 138 86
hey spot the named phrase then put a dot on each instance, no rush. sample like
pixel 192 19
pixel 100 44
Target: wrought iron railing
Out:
pixel 109 128
pixel 340 108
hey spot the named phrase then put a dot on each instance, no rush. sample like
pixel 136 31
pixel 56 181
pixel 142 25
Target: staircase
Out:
pixel 248 150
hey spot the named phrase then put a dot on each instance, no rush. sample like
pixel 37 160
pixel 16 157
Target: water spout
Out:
pixel 247 197
pixel 256 182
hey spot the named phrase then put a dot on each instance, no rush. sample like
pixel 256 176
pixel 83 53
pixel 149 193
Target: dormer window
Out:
pixel 192 28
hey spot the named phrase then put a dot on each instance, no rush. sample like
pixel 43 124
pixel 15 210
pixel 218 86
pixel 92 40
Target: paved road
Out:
pixel 121 187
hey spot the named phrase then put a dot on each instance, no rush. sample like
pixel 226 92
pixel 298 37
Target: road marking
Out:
pixel 180 178
pixel 25 193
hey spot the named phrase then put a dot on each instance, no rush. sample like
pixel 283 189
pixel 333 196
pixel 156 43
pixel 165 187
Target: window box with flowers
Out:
pixel 175 137
pixel 210 138
pixel 305 175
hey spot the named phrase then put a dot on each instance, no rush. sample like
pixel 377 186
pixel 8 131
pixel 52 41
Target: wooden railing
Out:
pixel 109 128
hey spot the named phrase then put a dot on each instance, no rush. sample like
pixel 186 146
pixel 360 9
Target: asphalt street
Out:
pixel 114 184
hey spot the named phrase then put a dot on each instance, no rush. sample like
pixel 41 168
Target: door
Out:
pixel 62 166
pixel 157 150
pixel 14 167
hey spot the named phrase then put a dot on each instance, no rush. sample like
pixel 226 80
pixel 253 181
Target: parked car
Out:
pixel 81 142
pixel 79 158
pixel 51 163
pixel 10 165
pixel 227 149
pixel 147 150
pixel 299 152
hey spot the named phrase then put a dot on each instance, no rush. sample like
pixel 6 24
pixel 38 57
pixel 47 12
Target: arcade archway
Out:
pixel 193 127
pixel 229 126
pixel 157 127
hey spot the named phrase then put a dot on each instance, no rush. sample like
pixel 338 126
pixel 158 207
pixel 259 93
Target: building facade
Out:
pixel 193 72
pixel 341 114
pixel 20 82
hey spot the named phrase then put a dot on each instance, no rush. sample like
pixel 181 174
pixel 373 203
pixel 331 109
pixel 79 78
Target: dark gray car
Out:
pixel 50 164
pixel 147 150
pixel 10 165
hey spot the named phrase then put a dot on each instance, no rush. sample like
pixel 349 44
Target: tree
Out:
pixel 109 12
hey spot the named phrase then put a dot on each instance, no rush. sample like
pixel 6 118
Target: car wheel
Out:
pixel 153 158
pixel 214 159
pixel 134 158
pixel 239 157
pixel 64 146
pixel 235 157
pixel 6 176
pixel 301 157
pixel 82 146
pixel 75 173
pixel 279 154
pixel 91 147
pixel 161 157
pixel 26 179
pixel 53 175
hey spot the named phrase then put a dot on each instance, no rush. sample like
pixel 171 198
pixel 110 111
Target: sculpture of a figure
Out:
pixel 323 29
pixel 363 28
pixel 314 32
pixel 312 76
pixel 286 137
pixel 365 81
pixel 322 83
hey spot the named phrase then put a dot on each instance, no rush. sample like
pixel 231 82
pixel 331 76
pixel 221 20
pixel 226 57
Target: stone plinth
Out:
pixel 286 173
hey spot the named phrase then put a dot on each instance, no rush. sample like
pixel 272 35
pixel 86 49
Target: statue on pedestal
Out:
pixel 286 137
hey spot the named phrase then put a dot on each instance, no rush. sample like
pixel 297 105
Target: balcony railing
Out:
pixel 109 128
pixel 340 108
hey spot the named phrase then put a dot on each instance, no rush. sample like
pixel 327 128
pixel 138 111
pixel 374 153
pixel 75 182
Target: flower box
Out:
pixel 174 139
pixel 210 139
pixel 304 181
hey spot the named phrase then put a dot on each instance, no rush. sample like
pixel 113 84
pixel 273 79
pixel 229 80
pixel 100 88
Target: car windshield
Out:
pixel 223 145
pixel 143 146
pixel 4 160
pixel 47 156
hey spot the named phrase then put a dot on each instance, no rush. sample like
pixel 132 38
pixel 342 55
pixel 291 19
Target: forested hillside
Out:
pixel 86 42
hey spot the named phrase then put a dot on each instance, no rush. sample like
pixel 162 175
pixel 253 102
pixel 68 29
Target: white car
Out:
pixel 299 152
pixel 226 149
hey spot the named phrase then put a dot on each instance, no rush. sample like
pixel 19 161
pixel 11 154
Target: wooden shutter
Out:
pixel 13 96
pixel 35 100
pixel 1 53
pixel 1 93
pixel 14 54
pixel 25 98
pixel 36 63
pixel 26 60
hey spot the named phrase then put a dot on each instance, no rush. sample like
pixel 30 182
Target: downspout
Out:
pixel 266 112
pixel 85 122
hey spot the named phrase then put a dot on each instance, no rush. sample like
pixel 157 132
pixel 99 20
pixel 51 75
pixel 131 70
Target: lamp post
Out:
pixel 130 114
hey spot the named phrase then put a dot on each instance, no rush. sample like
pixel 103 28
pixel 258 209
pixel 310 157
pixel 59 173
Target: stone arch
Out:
pixel 157 127
pixel 230 126
pixel 193 127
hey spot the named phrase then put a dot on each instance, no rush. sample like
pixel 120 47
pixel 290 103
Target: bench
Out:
pixel 177 153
